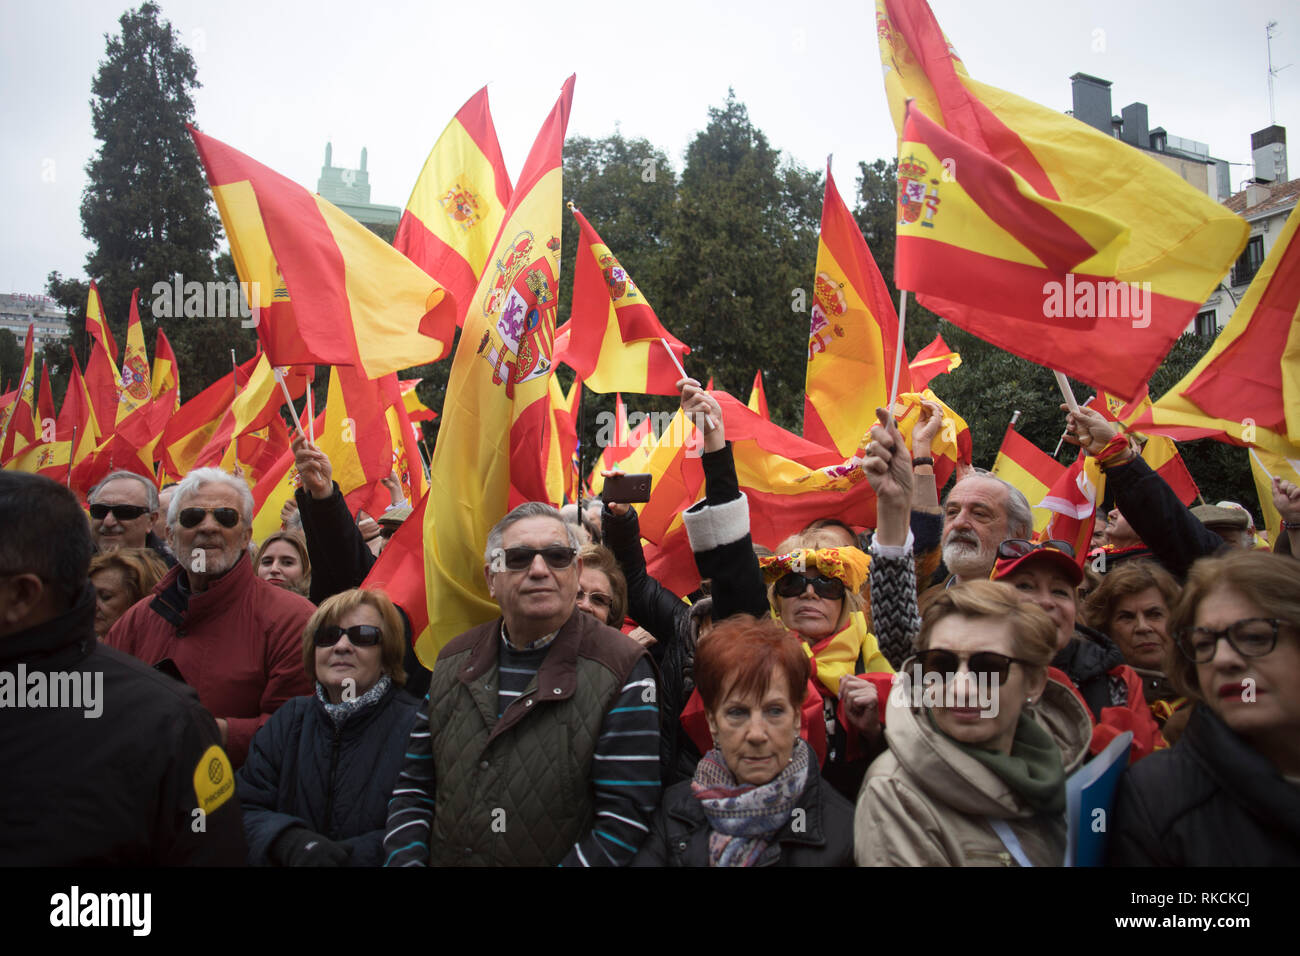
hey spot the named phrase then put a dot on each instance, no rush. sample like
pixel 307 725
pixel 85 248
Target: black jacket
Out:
pixel 819 833
pixel 1165 525
pixel 110 780
pixel 1088 661
pixel 303 771
pixel 340 561
pixel 1210 800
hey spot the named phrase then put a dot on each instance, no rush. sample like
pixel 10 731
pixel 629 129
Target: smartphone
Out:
pixel 626 488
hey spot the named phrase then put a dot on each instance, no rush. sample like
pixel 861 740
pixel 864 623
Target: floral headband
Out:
pixel 845 564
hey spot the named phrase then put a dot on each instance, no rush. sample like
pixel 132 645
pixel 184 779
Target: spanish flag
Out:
pixel 1030 229
pixel 333 292
pixel 276 487
pixel 495 447
pixel 166 371
pixel 97 324
pixel 1029 470
pixel 192 426
pixel 356 437
pixel 1158 451
pixel 788 480
pixel 852 336
pixel 1246 389
pixel 134 388
pixel 935 359
pixel 564 424
pixel 18 426
pixel 758 398
pixel 951 447
pixel 416 410
pixel 613 337
pixel 1265 466
pixel 458 204
pixel 1073 500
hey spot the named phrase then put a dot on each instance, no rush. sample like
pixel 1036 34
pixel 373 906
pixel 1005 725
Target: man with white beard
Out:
pixel 234 638
pixel 981 512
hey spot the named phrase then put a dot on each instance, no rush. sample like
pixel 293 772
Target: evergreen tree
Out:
pixel 146 207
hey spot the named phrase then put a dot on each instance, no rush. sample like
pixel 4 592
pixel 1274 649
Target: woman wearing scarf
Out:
pixel 316 784
pixel 812 590
pixel 980 741
pixel 757 798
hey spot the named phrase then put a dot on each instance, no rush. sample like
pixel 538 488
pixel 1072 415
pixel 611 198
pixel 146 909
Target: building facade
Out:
pixel 18 311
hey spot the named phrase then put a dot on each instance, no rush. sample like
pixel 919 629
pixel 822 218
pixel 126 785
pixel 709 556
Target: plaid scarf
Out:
pixel 743 818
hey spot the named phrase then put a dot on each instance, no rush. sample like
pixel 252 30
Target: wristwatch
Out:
pixel 918 462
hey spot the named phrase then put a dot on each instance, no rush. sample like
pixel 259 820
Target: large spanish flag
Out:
pixel 134 388
pixel 1027 195
pixel 495 446
pixel 613 337
pixel 329 290
pixel 1246 389
pixel 1029 470
pixel 852 336
pixel 458 204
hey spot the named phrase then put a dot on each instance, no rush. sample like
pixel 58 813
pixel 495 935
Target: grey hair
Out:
pixel 1020 517
pixel 199 477
pixel 529 509
pixel 151 490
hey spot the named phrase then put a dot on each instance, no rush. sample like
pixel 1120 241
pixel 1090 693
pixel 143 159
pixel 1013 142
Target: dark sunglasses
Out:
pixel 1019 547
pixel 521 559
pixel 1252 637
pixel 120 512
pixel 986 664
pixel 193 517
pixel 792 585
pixel 360 635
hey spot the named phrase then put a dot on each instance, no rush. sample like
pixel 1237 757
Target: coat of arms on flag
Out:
pixel 913 197
pixel 523 301
pixel 462 206
pixel 828 303
pixel 135 379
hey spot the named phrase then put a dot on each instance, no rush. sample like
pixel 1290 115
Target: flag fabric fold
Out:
pixel 1030 470
pixel 933 360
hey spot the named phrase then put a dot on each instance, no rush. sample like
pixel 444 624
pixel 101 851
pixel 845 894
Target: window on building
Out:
pixel 1251 259
pixel 1206 324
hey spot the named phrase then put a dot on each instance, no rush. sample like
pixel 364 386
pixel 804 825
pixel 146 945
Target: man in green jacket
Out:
pixel 538 742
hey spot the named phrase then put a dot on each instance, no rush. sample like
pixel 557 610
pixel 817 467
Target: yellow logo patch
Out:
pixel 214 779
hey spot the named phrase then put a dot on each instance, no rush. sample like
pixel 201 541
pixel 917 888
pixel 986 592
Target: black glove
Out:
pixel 299 846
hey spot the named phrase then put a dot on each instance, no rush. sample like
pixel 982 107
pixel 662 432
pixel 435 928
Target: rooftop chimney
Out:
pixel 1268 149
pixel 1135 125
pixel 1092 101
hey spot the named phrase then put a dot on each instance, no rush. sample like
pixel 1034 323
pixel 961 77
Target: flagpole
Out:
pixel 1015 417
pixel 72 453
pixel 898 354
pixel 279 377
pixel 1068 393
pixel 673 355
pixel 311 408
pixel 580 449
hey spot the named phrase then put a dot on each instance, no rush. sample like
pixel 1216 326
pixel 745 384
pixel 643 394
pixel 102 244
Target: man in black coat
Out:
pixel 106 761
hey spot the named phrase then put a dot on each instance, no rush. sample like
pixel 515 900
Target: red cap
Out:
pixel 1058 559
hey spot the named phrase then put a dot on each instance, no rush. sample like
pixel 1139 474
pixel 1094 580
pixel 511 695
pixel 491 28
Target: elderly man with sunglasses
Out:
pixel 123 508
pixel 539 740
pixel 234 638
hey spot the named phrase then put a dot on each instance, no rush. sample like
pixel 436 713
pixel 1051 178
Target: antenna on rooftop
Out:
pixel 1270 30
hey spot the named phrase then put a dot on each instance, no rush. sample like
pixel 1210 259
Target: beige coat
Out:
pixel 925 803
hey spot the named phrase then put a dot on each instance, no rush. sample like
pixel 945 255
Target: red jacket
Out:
pixel 238 644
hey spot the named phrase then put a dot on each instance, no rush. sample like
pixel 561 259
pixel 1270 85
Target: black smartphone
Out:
pixel 626 489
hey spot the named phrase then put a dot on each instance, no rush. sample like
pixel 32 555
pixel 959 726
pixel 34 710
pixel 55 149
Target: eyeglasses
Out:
pixel 360 635
pixel 792 585
pixel 521 559
pixel 193 517
pixel 120 512
pixel 1252 637
pixel 1019 547
pixel 988 665
pixel 595 597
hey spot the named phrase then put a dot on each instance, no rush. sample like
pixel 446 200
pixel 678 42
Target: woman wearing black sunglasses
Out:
pixel 980 742
pixel 319 774
pixel 1228 793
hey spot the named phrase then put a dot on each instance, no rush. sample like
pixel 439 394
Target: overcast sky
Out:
pixel 280 77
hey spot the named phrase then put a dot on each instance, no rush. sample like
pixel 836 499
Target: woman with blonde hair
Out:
pixel 120 578
pixel 319 774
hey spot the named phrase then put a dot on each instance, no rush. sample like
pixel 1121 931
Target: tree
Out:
pixel 743 240
pixel 146 207
pixel 11 359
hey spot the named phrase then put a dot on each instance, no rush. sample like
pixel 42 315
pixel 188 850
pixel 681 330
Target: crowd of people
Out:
pixel 919 693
